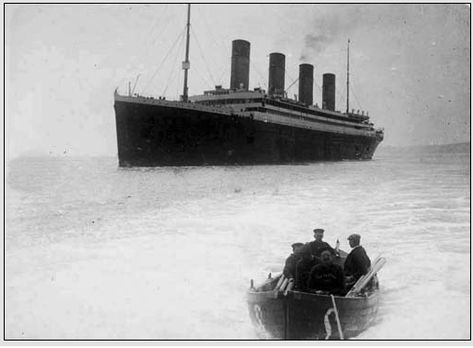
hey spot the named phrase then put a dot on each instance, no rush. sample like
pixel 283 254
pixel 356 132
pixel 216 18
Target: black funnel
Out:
pixel 306 84
pixel 328 92
pixel 240 73
pixel 277 67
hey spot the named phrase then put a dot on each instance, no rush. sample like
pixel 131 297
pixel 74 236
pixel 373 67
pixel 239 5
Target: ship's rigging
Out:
pixel 186 66
pixel 186 63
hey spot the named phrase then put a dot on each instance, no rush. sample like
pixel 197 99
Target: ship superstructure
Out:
pixel 236 125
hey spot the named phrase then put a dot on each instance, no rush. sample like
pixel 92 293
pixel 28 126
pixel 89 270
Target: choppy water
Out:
pixel 94 251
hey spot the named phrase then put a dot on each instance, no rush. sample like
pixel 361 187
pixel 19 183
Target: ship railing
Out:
pixel 271 116
pixel 306 123
pixel 193 106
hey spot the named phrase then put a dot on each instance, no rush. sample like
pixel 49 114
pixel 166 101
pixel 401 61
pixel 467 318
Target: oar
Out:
pixel 280 281
pixel 289 286
pixel 364 280
pixel 339 326
pixel 284 284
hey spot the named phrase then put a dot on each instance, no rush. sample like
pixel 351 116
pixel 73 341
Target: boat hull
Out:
pixel 299 315
pixel 160 135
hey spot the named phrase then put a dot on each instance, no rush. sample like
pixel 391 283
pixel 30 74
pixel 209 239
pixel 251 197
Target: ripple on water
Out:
pixel 168 252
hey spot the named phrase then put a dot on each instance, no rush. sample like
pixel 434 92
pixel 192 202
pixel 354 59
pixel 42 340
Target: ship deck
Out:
pixel 268 112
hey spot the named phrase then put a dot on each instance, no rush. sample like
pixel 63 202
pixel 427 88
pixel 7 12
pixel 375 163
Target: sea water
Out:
pixel 94 251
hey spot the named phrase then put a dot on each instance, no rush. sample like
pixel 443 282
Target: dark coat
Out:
pixel 316 247
pixel 290 266
pixel 327 277
pixel 304 265
pixel 357 263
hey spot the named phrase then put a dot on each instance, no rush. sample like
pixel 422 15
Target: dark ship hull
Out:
pixel 162 133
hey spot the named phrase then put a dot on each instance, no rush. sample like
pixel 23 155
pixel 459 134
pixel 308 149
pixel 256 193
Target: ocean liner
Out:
pixel 239 126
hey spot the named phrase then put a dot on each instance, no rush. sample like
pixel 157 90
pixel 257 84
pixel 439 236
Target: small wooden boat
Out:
pixel 278 312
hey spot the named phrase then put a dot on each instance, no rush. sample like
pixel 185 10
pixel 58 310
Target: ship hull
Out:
pixel 307 316
pixel 162 135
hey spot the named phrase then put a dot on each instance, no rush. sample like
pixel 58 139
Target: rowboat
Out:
pixel 279 312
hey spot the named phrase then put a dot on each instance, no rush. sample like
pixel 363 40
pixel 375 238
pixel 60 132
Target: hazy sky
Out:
pixel 410 64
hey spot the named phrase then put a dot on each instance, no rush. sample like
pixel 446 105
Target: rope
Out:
pixel 164 59
pixel 134 86
pixel 290 77
pixel 253 67
pixel 202 77
pixel 339 326
pixel 202 56
pixel 224 45
pixel 342 97
pixel 210 32
pixel 224 70
pixel 356 98
pixel 163 27
pixel 172 71
pixel 292 84
pixel 151 34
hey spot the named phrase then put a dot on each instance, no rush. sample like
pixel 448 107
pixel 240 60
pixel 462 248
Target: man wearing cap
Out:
pixel 357 262
pixel 327 276
pixel 317 245
pixel 291 262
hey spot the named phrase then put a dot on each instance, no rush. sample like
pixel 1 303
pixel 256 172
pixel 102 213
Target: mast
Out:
pixel 186 63
pixel 348 75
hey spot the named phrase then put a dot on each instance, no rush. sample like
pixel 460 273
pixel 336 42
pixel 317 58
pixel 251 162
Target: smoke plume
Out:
pixel 328 27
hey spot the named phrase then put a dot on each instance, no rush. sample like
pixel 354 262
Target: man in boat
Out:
pixel 357 262
pixel 327 276
pixel 303 267
pixel 317 245
pixel 291 262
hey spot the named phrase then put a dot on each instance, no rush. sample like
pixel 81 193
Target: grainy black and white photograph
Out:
pixel 231 171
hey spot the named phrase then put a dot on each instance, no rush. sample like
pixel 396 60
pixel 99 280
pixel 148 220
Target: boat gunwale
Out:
pixel 303 295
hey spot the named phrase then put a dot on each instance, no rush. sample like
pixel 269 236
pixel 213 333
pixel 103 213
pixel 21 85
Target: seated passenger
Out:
pixel 357 262
pixel 303 267
pixel 327 276
pixel 291 262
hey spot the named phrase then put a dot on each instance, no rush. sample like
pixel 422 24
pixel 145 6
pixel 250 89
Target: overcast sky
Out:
pixel 409 66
